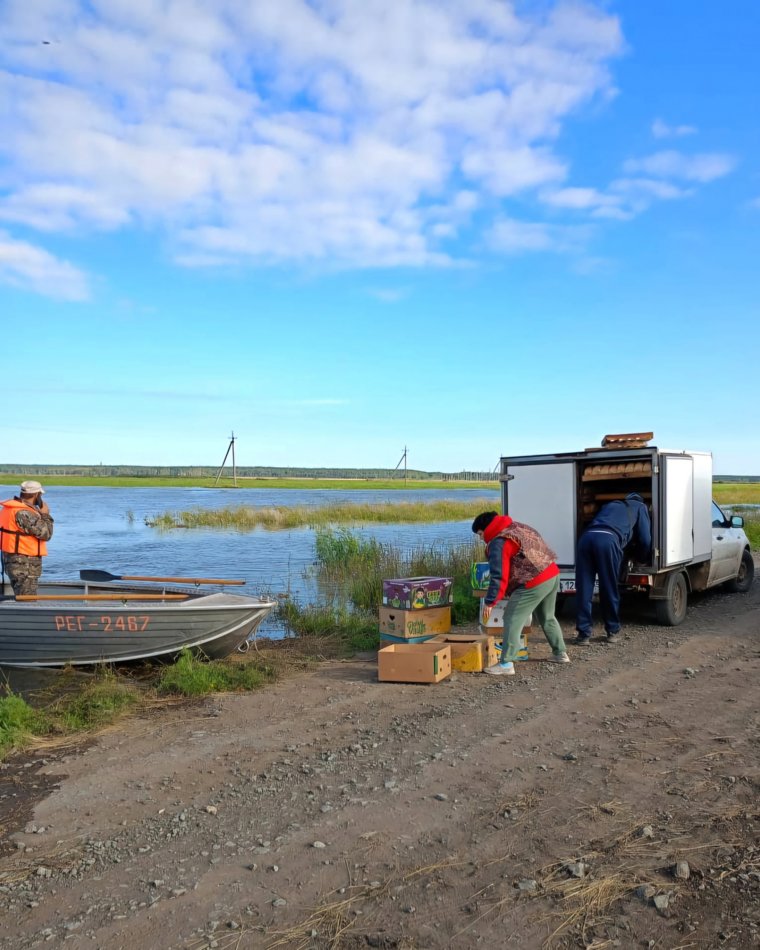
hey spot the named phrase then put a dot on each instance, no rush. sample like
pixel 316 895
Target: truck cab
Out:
pixel 729 544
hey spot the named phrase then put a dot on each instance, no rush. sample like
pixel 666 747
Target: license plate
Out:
pixel 567 587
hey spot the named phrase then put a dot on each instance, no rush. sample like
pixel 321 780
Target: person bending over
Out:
pixel 523 567
pixel 600 554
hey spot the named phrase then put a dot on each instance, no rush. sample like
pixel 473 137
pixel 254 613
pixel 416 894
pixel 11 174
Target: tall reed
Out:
pixel 358 566
pixel 245 518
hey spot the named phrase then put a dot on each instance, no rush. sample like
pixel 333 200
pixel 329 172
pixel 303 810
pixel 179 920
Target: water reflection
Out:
pixel 104 529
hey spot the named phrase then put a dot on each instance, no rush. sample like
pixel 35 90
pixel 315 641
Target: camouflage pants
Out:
pixel 23 572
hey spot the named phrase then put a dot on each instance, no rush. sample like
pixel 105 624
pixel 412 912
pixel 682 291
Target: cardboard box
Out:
pixel 417 593
pixel 386 638
pixel 496 620
pixel 414 663
pixel 415 623
pixel 470 653
pixel 480 575
pixel 523 652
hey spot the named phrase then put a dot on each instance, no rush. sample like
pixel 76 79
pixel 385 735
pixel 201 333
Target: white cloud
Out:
pixel 388 294
pixel 661 130
pixel 508 171
pixel 310 130
pixel 701 168
pixel 648 188
pixel 511 236
pixel 33 268
pixel 51 207
pixel 590 200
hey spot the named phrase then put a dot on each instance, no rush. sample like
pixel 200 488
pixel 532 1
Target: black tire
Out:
pixel 672 611
pixel 743 580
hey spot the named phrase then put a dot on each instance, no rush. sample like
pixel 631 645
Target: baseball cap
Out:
pixel 32 488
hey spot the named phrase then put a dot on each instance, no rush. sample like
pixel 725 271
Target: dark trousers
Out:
pixel 599 555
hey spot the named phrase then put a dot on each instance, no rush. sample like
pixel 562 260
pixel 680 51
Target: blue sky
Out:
pixel 340 228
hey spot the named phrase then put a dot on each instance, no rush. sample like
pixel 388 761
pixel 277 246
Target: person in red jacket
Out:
pixel 25 526
pixel 523 567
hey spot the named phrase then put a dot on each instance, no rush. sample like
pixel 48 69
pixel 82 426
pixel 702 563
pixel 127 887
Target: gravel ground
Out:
pixel 608 803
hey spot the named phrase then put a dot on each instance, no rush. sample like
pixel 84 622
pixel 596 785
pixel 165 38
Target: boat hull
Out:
pixel 85 633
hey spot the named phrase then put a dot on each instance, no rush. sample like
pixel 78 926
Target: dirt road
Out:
pixel 612 802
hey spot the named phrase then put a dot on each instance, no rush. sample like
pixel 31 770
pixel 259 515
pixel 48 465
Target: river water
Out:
pixel 104 529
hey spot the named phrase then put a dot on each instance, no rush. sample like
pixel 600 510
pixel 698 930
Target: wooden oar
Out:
pixel 115 596
pixel 105 576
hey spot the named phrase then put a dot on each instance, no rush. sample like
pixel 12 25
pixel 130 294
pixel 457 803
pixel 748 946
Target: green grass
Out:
pixel 735 493
pixel 80 703
pixel 19 724
pixel 94 704
pixel 246 518
pixel 89 702
pixel 752 530
pixel 190 676
pixel 338 627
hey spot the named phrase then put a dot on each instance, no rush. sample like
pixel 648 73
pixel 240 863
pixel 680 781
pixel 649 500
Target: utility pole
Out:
pixel 402 459
pixel 230 448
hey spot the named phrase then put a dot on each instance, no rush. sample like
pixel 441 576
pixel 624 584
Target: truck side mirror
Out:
pixel 737 521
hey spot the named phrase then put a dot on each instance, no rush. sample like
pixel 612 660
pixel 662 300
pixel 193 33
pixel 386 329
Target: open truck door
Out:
pixel 543 496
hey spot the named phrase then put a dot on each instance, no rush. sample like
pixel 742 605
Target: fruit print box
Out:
pixel 417 593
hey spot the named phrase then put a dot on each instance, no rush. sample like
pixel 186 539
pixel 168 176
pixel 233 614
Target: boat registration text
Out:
pixel 78 623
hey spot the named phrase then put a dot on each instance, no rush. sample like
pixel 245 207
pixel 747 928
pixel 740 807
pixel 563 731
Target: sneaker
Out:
pixel 582 641
pixel 501 669
pixel 559 658
pixel 613 638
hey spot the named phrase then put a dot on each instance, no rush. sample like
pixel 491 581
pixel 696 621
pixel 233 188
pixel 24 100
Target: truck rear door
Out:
pixel 543 495
pixel 685 511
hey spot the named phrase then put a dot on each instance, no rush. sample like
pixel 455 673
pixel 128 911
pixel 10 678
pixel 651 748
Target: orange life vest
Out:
pixel 12 539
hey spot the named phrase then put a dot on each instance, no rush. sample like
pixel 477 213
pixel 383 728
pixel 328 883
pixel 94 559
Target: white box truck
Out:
pixel 695 546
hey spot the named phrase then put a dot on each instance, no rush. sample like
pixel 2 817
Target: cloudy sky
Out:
pixel 341 228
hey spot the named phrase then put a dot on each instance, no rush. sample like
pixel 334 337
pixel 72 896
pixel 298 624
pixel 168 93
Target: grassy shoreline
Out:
pixel 724 492
pixel 78 703
pixel 337 484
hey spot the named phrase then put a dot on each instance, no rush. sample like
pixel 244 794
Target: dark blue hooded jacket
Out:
pixel 629 520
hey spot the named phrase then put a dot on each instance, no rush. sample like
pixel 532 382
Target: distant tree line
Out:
pixel 266 471
pixel 242 471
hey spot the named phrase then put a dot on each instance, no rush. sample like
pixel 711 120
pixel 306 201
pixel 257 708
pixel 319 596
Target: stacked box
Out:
pixel 386 638
pixel 470 653
pixel 414 611
pixel 415 623
pixel 496 620
pixel 414 663
pixel 417 593
pixel 480 575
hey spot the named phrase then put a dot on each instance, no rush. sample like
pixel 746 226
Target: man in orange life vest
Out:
pixel 25 526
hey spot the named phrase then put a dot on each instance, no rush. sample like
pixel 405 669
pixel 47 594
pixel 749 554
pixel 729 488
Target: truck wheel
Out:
pixel 672 611
pixel 743 580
